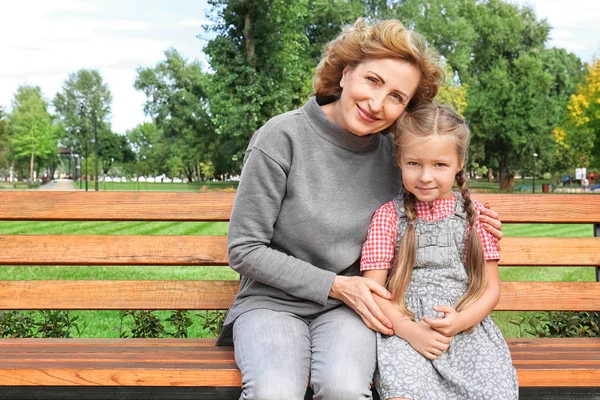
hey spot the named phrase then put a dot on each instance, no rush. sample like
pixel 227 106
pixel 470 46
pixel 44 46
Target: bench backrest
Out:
pixel 110 250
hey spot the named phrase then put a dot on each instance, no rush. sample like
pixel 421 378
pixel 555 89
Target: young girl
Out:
pixel 441 267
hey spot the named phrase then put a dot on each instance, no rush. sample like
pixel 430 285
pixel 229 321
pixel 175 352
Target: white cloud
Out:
pixel 45 41
pixel 574 24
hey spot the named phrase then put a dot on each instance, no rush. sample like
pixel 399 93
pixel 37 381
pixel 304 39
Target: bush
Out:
pixel 558 324
pixel 41 323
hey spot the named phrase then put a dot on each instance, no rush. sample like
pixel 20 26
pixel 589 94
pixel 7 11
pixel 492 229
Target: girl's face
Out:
pixel 374 94
pixel 429 165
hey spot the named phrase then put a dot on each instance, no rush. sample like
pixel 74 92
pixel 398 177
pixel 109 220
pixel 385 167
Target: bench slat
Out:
pixel 550 251
pixel 116 206
pixel 216 206
pixel 538 208
pixel 219 295
pixel 117 295
pixel 549 296
pixel 212 250
pixel 102 362
pixel 112 250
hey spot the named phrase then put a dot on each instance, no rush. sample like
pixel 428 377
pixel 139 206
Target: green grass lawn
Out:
pixel 172 187
pixel 105 323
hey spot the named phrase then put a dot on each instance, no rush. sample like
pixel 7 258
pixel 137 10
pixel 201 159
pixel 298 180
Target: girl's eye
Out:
pixel 441 165
pixel 413 163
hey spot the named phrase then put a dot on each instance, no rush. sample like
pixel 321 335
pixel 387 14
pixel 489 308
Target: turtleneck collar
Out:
pixel 334 133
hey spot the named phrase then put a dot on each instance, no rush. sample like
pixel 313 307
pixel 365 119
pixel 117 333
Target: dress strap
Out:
pixel 459 207
pixel 399 204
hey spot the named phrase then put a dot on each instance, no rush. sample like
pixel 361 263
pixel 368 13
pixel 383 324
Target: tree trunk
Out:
pixel 249 37
pixel 490 175
pixel 507 178
pixel 31 164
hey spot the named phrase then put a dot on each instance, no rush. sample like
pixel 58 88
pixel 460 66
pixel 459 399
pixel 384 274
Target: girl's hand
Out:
pixel 448 325
pixel 355 292
pixel 491 223
pixel 427 341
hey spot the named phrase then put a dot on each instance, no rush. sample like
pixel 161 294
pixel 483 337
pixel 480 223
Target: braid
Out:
pixel 405 257
pixel 475 263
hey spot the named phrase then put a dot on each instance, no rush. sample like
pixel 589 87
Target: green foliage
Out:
pixel 177 102
pixel 146 323
pixel 558 324
pixel 33 324
pixel 213 321
pixel 33 135
pixel 57 324
pixel 181 321
pixel 84 108
pixel 260 66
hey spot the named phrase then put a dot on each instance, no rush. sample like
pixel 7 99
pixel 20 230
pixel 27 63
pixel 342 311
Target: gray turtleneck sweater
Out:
pixel 306 196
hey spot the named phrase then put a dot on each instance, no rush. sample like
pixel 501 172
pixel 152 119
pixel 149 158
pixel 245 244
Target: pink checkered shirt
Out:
pixel 378 249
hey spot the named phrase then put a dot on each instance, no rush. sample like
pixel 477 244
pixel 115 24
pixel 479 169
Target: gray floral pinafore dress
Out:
pixel 477 365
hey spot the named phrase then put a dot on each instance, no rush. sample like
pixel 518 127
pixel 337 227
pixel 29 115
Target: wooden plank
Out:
pixel 550 251
pixel 112 250
pixel 212 250
pixel 530 344
pixel 116 206
pixel 544 208
pixel 202 295
pixel 32 344
pixel 117 295
pixel 557 376
pixel 216 206
pixel 218 375
pixel 183 368
pixel 549 296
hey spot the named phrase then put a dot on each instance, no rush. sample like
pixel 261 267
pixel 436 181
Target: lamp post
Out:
pixel 95 149
pixel 85 142
pixel 534 158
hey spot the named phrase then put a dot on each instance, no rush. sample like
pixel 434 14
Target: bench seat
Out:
pixel 198 362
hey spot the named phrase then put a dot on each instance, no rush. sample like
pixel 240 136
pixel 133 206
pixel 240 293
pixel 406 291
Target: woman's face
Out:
pixel 374 94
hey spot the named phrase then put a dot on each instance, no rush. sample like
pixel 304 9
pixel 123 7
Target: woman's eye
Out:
pixel 371 79
pixel 397 98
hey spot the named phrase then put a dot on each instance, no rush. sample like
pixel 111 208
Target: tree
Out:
pixel 33 134
pixel 579 136
pixel 114 147
pixel 84 108
pixel 4 138
pixel 260 66
pixel 178 104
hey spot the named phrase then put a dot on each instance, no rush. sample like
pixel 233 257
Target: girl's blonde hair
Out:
pixel 385 39
pixel 426 120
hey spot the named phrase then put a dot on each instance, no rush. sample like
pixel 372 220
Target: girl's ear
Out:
pixel 460 166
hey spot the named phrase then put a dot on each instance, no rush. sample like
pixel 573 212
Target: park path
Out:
pixel 62 185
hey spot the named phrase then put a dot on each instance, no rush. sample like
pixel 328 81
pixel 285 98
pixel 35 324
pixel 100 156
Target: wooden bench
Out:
pixel 135 363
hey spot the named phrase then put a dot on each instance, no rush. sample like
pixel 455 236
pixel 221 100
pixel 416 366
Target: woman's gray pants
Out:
pixel 278 352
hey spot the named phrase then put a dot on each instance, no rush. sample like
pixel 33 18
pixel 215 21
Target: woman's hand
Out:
pixel 427 341
pixel 355 292
pixel 448 325
pixel 491 223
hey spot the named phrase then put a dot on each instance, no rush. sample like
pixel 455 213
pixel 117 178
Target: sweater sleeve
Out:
pixel 257 205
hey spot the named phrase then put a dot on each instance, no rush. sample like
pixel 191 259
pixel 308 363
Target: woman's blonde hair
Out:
pixel 426 120
pixel 385 39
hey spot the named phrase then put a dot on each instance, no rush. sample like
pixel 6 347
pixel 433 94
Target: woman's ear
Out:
pixel 344 72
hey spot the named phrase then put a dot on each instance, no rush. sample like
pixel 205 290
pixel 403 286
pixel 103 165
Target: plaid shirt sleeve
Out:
pixel 378 249
pixel 488 243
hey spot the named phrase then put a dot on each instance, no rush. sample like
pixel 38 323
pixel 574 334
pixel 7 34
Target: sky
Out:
pixel 43 41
